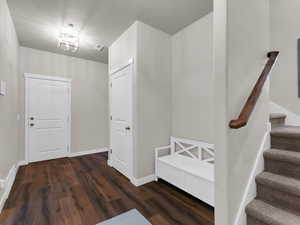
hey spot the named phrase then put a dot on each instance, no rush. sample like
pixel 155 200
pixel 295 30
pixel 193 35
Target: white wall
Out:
pixel 151 50
pixel 9 104
pixel 119 54
pixel 124 48
pixel 89 94
pixel 285 23
pixel 153 95
pixel 192 81
pixel 241 42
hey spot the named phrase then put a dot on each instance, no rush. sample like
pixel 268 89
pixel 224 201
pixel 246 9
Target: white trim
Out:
pixel 25 118
pixel 121 67
pixel 43 77
pixel 70 119
pixel 29 76
pixel 88 152
pixel 22 163
pixel 292 118
pixel 193 142
pixel 144 180
pixel 7 184
pixel 109 163
pixel 250 190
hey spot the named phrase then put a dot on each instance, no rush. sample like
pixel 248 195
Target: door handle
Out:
pixel 31 118
pixel 127 128
pixel 32 124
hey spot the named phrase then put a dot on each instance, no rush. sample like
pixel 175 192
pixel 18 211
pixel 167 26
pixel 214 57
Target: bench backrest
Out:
pixel 193 149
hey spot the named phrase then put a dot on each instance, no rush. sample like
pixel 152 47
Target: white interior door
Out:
pixel 47 119
pixel 121 121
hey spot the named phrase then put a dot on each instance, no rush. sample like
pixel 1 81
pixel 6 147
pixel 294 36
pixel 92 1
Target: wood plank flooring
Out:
pixel 85 191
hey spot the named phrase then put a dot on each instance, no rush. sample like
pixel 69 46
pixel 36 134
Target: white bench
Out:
pixel 188 165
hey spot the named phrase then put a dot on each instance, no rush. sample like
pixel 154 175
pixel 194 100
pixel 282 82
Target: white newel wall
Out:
pixel 151 51
pixel 241 44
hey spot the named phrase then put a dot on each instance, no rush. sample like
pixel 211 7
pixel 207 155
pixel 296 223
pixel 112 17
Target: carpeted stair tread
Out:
pixel 278 187
pixel 286 131
pixel 278 182
pixel 277 116
pixel 283 155
pixel 271 215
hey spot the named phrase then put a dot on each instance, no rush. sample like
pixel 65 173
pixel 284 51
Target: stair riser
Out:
pixel 277 122
pixel 282 168
pixel 285 143
pixel 278 198
pixel 253 221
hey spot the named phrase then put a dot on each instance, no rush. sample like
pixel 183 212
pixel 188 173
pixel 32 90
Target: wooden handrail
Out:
pixel 256 92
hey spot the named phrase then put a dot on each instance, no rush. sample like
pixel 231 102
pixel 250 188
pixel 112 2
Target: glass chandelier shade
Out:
pixel 68 39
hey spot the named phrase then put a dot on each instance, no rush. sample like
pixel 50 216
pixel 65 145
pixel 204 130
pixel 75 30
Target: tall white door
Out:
pixel 47 119
pixel 121 121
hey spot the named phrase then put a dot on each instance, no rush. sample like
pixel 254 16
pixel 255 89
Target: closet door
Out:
pixel 121 121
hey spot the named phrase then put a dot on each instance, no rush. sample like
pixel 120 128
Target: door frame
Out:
pixel 131 168
pixel 30 76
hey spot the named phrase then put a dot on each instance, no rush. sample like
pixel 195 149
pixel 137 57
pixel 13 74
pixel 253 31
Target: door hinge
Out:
pixel 110 151
pixel 110 117
pixel 110 84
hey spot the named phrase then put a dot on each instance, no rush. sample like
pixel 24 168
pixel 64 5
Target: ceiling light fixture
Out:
pixel 68 39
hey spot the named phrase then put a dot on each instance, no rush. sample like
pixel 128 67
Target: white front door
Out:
pixel 121 121
pixel 47 119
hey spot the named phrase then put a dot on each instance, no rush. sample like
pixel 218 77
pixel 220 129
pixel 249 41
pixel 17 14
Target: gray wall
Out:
pixel 89 94
pixel 9 104
pixel 241 42
pixel 285 23
pixel 192 81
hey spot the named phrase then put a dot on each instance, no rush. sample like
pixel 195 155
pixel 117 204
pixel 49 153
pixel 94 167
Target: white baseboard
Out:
pixel 22 163
pixel 7 183
pixel 88 152
pixel 143 180
pixel 250 190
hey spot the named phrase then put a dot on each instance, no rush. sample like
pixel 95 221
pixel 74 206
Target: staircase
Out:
pixel 278 187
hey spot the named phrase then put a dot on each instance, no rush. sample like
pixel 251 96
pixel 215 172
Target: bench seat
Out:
pixel 192 166
pixel 180 166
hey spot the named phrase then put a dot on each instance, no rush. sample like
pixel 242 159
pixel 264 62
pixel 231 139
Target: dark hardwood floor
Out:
pixel 85 191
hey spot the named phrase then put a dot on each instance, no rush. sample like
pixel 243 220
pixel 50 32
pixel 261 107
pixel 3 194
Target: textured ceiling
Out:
pixel 99 21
